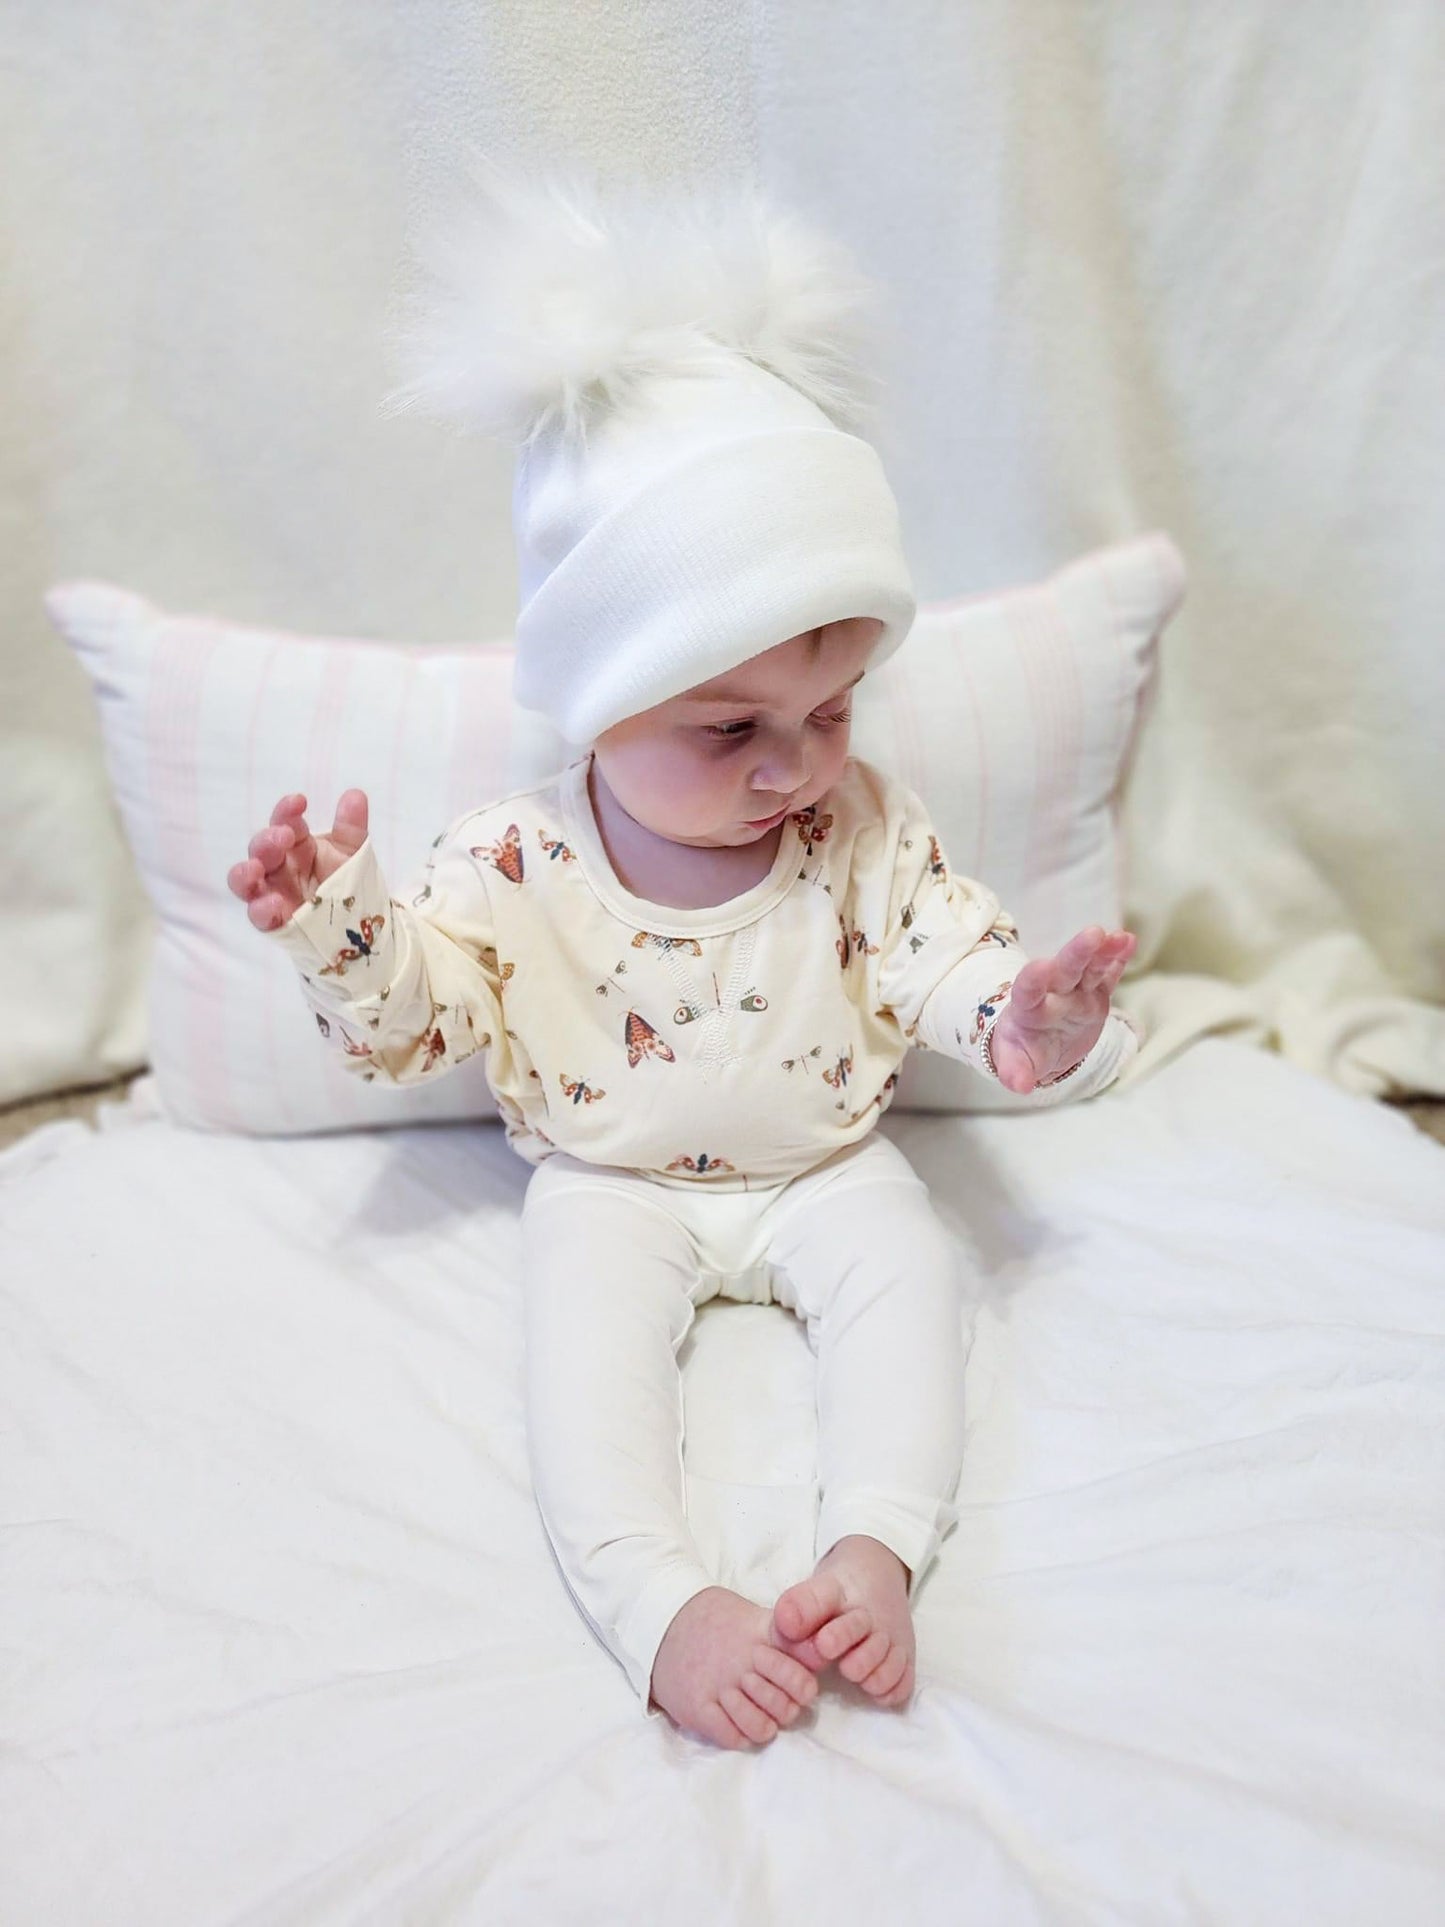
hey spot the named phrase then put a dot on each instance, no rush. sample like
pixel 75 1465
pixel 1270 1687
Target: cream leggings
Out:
pixel 616 1266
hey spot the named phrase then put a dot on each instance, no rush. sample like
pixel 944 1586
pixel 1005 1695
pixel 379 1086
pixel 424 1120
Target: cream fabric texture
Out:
pixel 721 1048
pixel 1147 267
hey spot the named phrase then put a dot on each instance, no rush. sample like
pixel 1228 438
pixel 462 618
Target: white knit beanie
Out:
pixel 680 374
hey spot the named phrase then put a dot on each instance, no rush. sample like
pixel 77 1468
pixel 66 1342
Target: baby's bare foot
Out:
pixel 854 1610
pixel 718 1672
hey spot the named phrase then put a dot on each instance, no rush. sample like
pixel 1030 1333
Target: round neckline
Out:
pixel 663 919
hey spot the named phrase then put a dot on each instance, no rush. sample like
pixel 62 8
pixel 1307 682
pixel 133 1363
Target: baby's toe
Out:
pixel 772 1699
pixel 903 1691
pixel 840 1635
pixel 759 1726
pixel 803 1608
pixel 790 1674
pixel 886 1674
pixel 715 1725
pixel 865 1656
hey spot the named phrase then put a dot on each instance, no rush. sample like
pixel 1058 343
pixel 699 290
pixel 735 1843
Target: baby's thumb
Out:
pixel 348 832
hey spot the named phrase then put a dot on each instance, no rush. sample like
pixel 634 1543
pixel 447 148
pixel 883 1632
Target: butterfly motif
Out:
pixel 790 1063
pixel 690 1013
pixel 426 892
pixel 812 828
pixel 841 1071
pixel 605 990
pixel 579 1090
pixel 841 945
pixel 987 1009
pixel 643 1041
pixel 645 937
pixel 505 855
pixel 882 1100
pixel 936 864
pixel 360 946
pixel 555 847
pixel 355 1050
pixel 436 1046
pixel 321 1023
pixel 861 945
pixel 701 1164
pixel 1003 938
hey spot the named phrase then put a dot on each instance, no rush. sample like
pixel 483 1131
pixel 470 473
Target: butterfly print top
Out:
pixel 730 1046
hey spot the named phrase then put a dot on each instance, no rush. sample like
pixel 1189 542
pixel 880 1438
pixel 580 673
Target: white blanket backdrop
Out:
pixel 1149 266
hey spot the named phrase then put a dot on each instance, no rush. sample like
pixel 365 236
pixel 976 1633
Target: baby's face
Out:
pixel 722 763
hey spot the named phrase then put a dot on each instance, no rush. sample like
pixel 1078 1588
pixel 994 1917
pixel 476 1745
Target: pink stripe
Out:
pixel 179 664
pixel 258 814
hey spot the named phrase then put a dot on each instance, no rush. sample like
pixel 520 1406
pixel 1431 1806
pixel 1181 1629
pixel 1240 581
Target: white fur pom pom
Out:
pixel 549 302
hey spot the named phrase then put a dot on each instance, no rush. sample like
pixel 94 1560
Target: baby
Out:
pixel 696 957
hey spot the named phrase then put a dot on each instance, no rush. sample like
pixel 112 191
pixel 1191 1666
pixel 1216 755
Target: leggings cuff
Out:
pixel 912 1531
pixel 641 1633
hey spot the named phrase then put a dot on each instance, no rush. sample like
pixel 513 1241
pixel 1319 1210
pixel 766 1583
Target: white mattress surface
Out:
pixel 283 1641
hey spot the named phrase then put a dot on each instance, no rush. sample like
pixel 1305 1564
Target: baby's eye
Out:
pixel 835 716
pixel 726 730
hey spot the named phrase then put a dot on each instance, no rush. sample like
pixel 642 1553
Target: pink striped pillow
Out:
pixel 1014 715
pixel 1011 714
pixel 205 725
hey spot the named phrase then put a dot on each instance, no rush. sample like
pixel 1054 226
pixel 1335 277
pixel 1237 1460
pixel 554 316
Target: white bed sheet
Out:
pixel 283 1641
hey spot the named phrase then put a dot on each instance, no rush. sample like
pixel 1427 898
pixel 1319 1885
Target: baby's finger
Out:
pixel 272 846
pixel 1031 985
pixel 245 879
pixel 1077 955
pixel 269 912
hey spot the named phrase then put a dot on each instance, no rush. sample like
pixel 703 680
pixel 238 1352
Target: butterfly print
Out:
pixel 555 847
pixel 321 1023
pixel 987 1009
pixel 605 989
pixel 579 1090
pixel 789 1063
pixel 936 864
pixel 1003 938
pixel 643 1041
pixel 882 1100
pixel 812 828
pixel 842 945
pixel 841 1071
pixel 436 1046
pixel 861 945
pixel 426 892
pixel 701 1164
pixel 355 1050
pixel 506 855
pixel 360 946
pixel 690 1013
pixel 645 937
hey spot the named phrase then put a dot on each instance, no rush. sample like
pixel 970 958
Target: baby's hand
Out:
pixel 1057 1008
pixel 287 861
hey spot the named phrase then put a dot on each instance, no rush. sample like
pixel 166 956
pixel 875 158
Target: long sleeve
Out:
pixel 949 960
pixel 401 992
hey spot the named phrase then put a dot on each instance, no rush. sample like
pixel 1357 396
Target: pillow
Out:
pixel 1012 715
pixel 205 725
